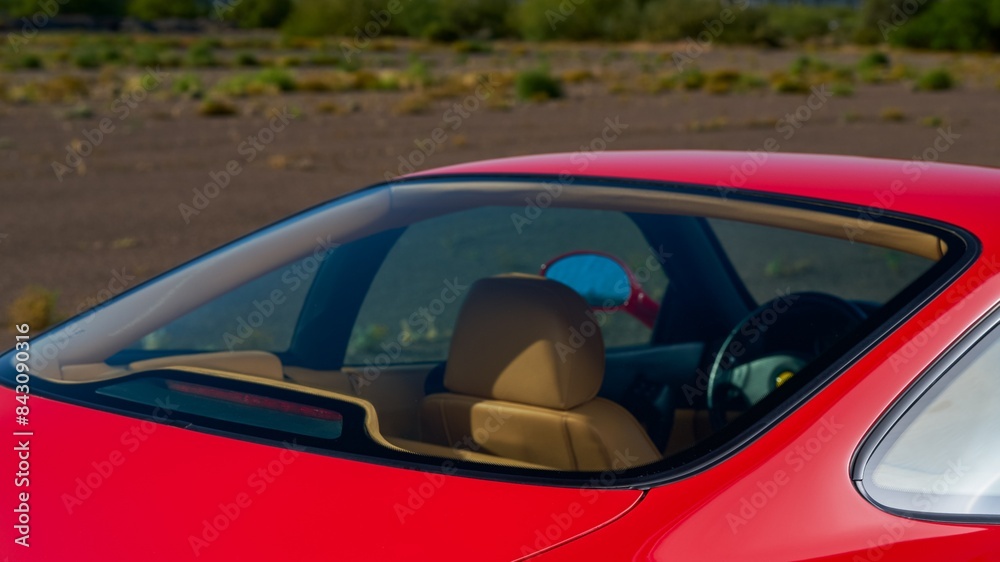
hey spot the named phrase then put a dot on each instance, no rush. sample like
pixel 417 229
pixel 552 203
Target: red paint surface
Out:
pixel 169 481
pixel 319 508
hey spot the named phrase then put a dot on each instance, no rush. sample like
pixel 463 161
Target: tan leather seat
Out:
pixel 525 366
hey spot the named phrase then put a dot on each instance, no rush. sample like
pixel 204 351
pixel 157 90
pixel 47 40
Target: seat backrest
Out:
pixel 525 365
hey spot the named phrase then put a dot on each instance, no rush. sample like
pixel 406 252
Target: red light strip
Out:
pixel 255 401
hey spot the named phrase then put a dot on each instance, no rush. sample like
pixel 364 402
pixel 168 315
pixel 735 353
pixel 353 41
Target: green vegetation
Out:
pixel 201 54
pixel 935 80
pixel 251 14
pixel 953 25
pixel 412 104
pixel 217 107
pixel 247 59
pixel 964 25
pixel 892 114
pixel 268 81
pixel 187 85
pixel 159 9
pixel 35 306
pixel 537 85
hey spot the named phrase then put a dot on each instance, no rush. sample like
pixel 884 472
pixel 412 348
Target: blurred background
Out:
pixel 138 134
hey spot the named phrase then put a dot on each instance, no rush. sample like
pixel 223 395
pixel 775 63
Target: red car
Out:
pixel 634 355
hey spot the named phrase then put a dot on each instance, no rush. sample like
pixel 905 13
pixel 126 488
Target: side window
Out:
pixel 773 260
pixel 943 456
pixel 410 310
pixel 259 315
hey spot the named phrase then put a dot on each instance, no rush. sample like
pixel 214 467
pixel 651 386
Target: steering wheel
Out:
pixel 771 344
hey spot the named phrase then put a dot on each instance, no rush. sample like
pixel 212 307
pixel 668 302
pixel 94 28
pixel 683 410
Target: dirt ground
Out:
pixel 119 217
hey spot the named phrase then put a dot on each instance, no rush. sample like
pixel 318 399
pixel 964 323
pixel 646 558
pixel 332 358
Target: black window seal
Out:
pixel 964 250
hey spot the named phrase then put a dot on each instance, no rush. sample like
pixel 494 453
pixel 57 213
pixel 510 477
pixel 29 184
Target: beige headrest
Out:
pixel 526 339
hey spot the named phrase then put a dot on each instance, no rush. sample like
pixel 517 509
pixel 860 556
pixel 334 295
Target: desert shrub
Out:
pixel 246 59
pixel 577 76
pixel 935 80
pixel 201 54
pixel 870 20
pixel 323 58
pixel 158 9
pixel 27 8
pixel 252 14
pixel 187 85
pixel 450 20
pixel 957 25
pixel 412 104
pixel 24 61
pixel 145 54
pixel 842 89
pixel 35 306
pixel 691 78
pixel 722 81
pixel 784 83
pixel 537 85
pixel 469 47
pixel 316 18
pixel 86 56
pixel 701 20
pixel 893 114
pixel 58 89
pixel 674 20
pixel 799 23
pixel 805 65
pixel 280 79
pixel 217 107
pixel 874 59
pixel 594 19
pixel 267 81
pixel 933 121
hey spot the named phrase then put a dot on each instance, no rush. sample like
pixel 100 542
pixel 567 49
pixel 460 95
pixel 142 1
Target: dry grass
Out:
pixel 412 104
pixel 35 306
pixel 892 114
pixel 217 107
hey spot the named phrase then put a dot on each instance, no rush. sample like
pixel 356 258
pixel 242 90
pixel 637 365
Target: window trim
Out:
pixel 965 249
pixel 864 461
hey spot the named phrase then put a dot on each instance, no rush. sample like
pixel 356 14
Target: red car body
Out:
pixel 788 495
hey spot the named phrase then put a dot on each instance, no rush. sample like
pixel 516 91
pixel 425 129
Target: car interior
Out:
pixel 614 329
